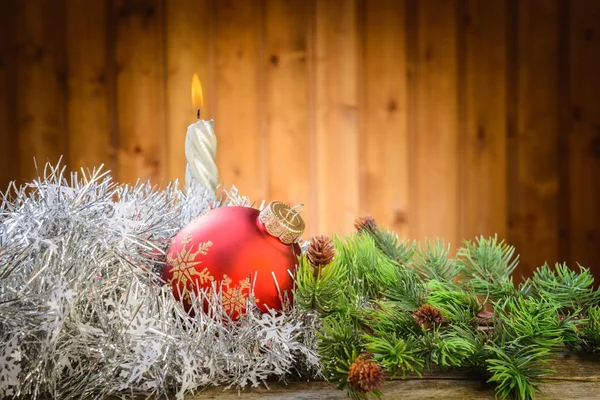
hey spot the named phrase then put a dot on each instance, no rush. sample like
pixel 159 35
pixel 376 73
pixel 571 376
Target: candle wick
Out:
pixel 198 114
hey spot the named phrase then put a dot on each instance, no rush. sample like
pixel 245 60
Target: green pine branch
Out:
pixel 571 289
pixel 395 353
pixel 516 373
pixel 590 330
pixel 372 294
pixel 488 265
pixel 369 270
pixel 433 262
pixel 339 345
pixel 456 304
pixel 387 241
pixel 319 291
pixel 406 290
pixel 447 347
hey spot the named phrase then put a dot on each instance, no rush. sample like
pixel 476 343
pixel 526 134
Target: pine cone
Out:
pixel 366 223
pixel 365 374
pixel 320 252
pixel 428 317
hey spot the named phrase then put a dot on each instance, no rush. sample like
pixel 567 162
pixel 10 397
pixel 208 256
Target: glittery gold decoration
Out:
pixel 184 266
pixel 282 221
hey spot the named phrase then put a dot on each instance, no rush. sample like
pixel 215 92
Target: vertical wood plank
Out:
pixel 564 130
pixel 239 113
pixel 41 84
pixel 435 180
pixel 188 50
pixel 584 138
pixel 9 161
pixel 483 202
pixel 87 112
pixel 140 90
pixel 336 122
pixel 287 103
pixel 384 142
pixel 533 180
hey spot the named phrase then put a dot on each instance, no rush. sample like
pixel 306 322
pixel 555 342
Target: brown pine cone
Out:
pixel 428 317
pixel 366 223
pixel 365 374
pixel 320 252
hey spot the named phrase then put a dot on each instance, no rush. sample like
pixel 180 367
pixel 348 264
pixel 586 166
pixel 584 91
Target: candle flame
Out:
pixel 197 99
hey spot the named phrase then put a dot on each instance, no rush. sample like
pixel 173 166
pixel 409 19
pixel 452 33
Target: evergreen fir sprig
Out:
pixel 406 290
pixel 350 309
pixel 339 345
pixel 488 265
pixel 523 322
pixel 388 304
pixel 456 313
pixel 387 318
pixel 399 250
pixel 320 292
pixel 571 289
pixel 446 347
pixel 525 332
pixel 433 262
pixel 368 269
pixel 386 240
pixel 590 330
pixel 489 259
pixel 516 372
pixel 395 353
pixel 569 324
pixel 456 304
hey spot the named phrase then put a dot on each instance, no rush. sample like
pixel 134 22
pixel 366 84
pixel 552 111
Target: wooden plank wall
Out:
pixel 448 118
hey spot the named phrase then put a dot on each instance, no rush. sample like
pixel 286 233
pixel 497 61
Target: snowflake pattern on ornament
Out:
pixel 234 298
pixel 184 266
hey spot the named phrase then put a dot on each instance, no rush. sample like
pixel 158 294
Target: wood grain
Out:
pixel 239 114
pixel 188 50
pixel 584 138
pixel 88 102
pixel 336 115
pixel 41 84
pixel 285 56
pixel 384 141
pixel 533 226
pixel 9 157
pixel 140 90
pixel 576 377
pixel 448 389
pixel 483 200
pixel 450 118
pixel 435 178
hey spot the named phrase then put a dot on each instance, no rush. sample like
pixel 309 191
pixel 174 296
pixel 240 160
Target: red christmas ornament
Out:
pixel 233 246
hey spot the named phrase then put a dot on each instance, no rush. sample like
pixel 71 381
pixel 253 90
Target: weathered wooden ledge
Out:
pixel 577 376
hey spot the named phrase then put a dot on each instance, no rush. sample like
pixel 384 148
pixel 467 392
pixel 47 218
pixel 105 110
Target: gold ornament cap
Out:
pixel 282 221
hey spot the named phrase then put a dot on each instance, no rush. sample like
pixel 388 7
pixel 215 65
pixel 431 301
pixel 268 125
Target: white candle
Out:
pixel 201 152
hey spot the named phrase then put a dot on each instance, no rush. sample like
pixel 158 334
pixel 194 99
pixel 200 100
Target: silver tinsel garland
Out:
pixel 84 314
